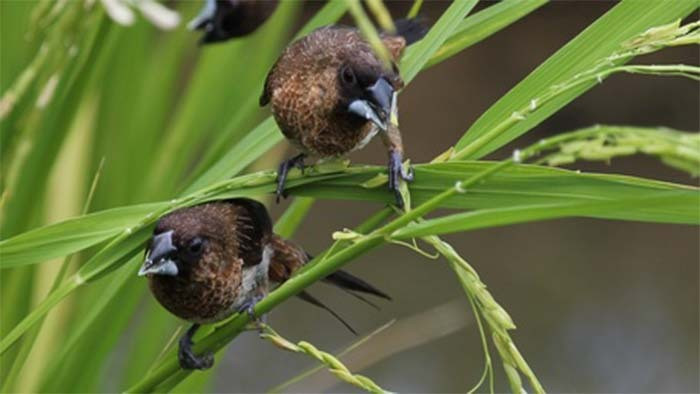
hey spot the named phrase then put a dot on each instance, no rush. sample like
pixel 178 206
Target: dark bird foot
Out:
pixel 296 161
pixel 396 173
pixel 187 358
pixel 249 308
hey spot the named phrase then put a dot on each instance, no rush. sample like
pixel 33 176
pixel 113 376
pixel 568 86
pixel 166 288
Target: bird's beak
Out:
pixel 204 17
pixel 158 261
pixel 377 106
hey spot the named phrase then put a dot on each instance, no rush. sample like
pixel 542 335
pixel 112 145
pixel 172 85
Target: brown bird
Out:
pixel 225 19
pixel 207 262
pixel 330 94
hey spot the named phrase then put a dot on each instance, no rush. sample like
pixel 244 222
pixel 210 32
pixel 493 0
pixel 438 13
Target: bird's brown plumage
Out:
pixel 206 288
pixel 209 261
pixel 286 259
pixel 240 256
pixel 304 93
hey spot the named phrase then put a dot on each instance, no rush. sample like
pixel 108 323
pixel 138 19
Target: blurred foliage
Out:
pixel 112 115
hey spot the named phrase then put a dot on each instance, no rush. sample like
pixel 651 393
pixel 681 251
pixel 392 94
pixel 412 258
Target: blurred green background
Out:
pixel 600 306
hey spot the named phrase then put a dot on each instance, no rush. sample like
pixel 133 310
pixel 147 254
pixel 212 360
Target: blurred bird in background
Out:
pixel 222 20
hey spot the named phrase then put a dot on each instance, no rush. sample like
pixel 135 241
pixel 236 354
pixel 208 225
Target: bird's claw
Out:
pixel 187 358
pixel 396 173
pixel 249 308
pixel 296 161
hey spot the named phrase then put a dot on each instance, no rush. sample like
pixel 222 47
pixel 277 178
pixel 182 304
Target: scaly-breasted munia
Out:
pixel 207 262
pixel 330 94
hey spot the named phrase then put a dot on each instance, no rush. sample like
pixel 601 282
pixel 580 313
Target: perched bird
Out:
pixel 207 262
pixel 330 94
pixel 225 19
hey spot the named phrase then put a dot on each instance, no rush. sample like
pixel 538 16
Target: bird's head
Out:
pixel 178 246
pixel 209 234
pixel 367 90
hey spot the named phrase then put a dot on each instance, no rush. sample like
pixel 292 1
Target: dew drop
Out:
pixel 517 156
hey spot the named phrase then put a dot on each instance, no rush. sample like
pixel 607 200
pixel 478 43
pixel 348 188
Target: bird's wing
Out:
pixel 253 227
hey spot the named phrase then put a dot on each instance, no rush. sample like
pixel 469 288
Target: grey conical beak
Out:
pixel 158 260
pixel 377 107
pixel 380 95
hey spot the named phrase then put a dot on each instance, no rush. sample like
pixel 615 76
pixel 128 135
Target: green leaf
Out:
pixel 598 41
pixel 516 186
pixel 419 54
pixel 246 151
pixel 71 235
pixel 79 366
pixel 49 126
pixel 487 218
pixel 58 376
pixel 483 24
pixel 293 216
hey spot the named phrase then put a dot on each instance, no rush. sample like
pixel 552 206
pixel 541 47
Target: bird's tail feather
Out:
pixel 349 282
pixel 288 257
pixel 304 295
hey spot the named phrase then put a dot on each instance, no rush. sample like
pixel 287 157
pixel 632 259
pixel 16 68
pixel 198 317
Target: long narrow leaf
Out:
pixel 482 24
pixel 519 214
pixel 520 185
pixel 597 42
pixel 418 55
pixel 71 235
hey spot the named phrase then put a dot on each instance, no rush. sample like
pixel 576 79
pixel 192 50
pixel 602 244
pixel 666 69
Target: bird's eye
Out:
pixel 348 75
pixel 196 246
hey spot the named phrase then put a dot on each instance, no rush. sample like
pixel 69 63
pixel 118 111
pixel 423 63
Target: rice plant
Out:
pixel 112 116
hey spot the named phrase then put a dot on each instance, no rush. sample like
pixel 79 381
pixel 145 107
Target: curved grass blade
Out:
pixel 369 32
pixel 516 186
pixel 597 42
pixel 495 217
pixel 71 235
pixel 420 53
pixel 483 24
pixel 293 216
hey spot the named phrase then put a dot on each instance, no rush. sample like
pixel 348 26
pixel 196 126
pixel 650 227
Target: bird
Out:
pixel 330 94
pixel 222 20
pixel 208 261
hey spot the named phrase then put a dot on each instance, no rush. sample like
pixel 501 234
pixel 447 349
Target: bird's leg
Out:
pixel 249 308
pixel 296 161
pixel 392 140
pixel 187 358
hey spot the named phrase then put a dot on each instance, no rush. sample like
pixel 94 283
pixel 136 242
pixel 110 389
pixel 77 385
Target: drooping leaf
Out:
pixel 590 48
